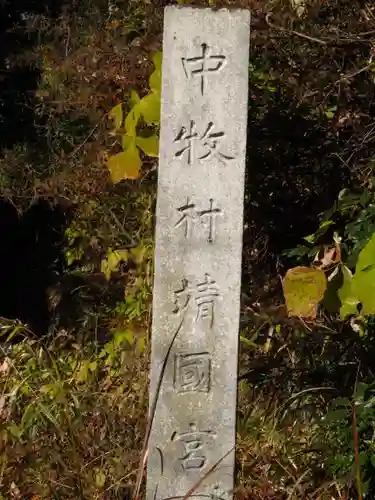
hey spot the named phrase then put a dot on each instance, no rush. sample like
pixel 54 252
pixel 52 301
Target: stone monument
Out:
pixel 199 222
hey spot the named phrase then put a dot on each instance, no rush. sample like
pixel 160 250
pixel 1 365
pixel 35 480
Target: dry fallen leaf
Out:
pixel 15 491
pixel 5 367
pixel 328 257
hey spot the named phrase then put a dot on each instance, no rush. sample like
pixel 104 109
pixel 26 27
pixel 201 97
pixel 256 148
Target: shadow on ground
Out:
pixel 19 77
pixel 32 260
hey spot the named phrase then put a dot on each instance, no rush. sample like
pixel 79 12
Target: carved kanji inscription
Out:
pixel 201 297
pixel 200 146
pixel 192 372
pixel 195 442
pixel 190 216
pixel 202 65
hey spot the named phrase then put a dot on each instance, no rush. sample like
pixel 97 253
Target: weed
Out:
pixel 127 164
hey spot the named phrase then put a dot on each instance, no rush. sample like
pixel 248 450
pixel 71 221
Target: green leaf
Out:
pixel 117 115
pixel 349 301
pixel 93 366
pixel 132 119
pixel 149 145
pixel 112 262
pixel 134 99
pixel 304 288
pixel 363 282
pixel 155 78
pixel 312 238
pixel 121 336
pixel 157 58
pixel 150 108
pixel 138 254
pixel 125 165
pixel 100 478
pixel 83 372
pixel 141 345
pixel 15 430
pixel 331 300
pixel 128 141
pixel 366 258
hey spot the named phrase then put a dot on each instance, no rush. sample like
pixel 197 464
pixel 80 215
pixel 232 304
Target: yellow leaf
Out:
pixel 131 121
pixel 83 372
pixel 157 58
pixel 304 288
pixel 134 98
pixel 125 165
pixel 117 115
pixel 155 78
pixel 138 254
pixel 150 108
pixel 128 141
pixel 112 262
pixel 149 145
pixel 141 345
pixel 100 478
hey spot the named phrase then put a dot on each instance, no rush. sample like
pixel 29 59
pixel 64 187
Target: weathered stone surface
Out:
pixel 199 222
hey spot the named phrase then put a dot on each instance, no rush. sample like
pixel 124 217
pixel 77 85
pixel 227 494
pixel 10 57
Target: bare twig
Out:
pixel 201 480
pixel 208 473
pixel 67 41
pixel 293 32
pixel 80 146
pixel 356 453
pixel 356 443
pixel 296 485
pixel 352 75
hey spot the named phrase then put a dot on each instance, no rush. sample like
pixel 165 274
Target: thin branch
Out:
pixel 208 473
pixel 352 75
pixel 80 146
pixel 293 32
pixel 356 441
pixel 356 453
pixel 201 480
pixel 296 485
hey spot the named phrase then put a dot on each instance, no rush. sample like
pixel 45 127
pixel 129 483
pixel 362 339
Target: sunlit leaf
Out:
pixel 157 58
pixel 349 302
pixel 312 238
pixel 304 288
pixel 363 283
pixel 93 366
pixel 141 345
pixel 132 119
pixel 100 478
pixel 112 262
pixel 150 108
pixel 83 372
pixel 138 254
pixel 128 141
pixel 125 165
pixel 121 336
pixel 149 145
pixel 366 259
pixel 134 98
pixel 117 115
